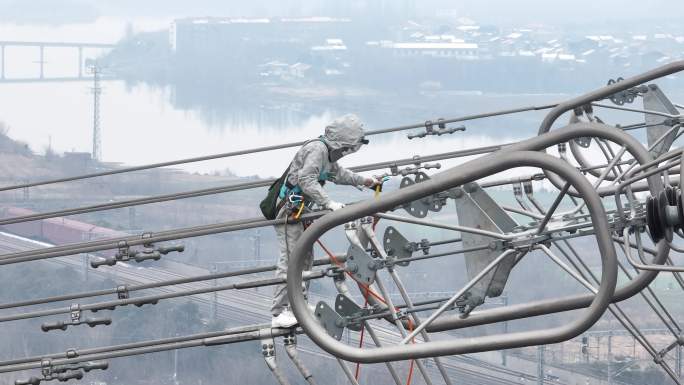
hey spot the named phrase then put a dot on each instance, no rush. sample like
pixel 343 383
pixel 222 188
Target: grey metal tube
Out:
pixel 579 156
pixel 376 341
pixel 132 345
pixel 448 304
pixel 291 350
pixel 270 148
pixel 652 267
pixel 416 320
pixel 573 302
pixel 137 240
pixel 552 209
pixel 621 316
pixel 456 176
pixel 637 110
pixel 603 93
pixel 145 286
pixel 230 188
pixel 402 331
pixel 134 240
pixel 136 202
pixel 146 349
pixel 537 308
pixel 583 162
pixel 672 324
pixel 342 288
pixel 606 91
pixel 462 229
pixel 272 364
pixel 97 306
pixel 629 142
pixel 86 246
pixel 378 247
pixel 347 372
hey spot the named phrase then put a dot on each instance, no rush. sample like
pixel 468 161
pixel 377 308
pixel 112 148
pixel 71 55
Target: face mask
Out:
pixel 337 154
pixel 350 150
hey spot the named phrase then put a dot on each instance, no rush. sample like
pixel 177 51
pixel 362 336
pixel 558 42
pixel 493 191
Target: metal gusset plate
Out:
pixel 332 322
pixel 361 265
pixel 471 214
pixel 396 245
pixel 504 221
pixel 347 308
pixel 421 177
pixel 584 141
pixel 420 208
pixel 434 202
pixel 655 100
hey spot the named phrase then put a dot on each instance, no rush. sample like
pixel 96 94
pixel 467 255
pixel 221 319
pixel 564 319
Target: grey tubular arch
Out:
pixel 542 307
pixel 606 91
pixel 453 177
pixel 599 94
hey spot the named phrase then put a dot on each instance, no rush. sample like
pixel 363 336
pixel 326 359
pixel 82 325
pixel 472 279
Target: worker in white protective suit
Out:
pixel 314 164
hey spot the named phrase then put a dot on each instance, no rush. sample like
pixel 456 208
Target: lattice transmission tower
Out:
pixel 96 91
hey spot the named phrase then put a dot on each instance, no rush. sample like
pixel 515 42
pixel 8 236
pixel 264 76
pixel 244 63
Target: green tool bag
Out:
pixel 268 205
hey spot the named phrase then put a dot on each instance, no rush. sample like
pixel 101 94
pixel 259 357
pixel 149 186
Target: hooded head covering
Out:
pixel 344 136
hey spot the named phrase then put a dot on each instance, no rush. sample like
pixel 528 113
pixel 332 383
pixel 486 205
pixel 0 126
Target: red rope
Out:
pixel 338 263
pixel 363 330
pixel 368 291
pixel 410 373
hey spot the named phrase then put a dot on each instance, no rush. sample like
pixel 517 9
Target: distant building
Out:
pixel 217 33
pixel 247 50
pixel 435 49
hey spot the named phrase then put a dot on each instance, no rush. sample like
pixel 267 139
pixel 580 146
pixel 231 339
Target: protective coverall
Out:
pixel 313 165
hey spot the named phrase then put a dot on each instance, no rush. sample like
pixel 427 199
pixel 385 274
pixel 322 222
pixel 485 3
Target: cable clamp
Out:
pixel 75 312
pixel 429 126
pixel 46 368
pixel 123 253
pixel 71 353
pixel 122 292
pixel 147 236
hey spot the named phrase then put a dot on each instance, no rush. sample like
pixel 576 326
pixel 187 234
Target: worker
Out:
pixel 314 164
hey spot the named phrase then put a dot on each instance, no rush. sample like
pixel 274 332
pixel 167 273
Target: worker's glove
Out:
pixel 371 182
pixel 334 206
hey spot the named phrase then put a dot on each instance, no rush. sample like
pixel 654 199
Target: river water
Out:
pixel 140 123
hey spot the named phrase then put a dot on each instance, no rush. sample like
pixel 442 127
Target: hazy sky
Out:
pixel 492 11
pixel 575 11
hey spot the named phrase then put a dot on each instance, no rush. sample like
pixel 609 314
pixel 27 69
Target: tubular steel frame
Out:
pixel 641 173
pixel 457 176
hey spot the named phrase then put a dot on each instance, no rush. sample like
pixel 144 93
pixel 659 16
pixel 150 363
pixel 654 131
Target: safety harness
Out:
pixel 293 194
